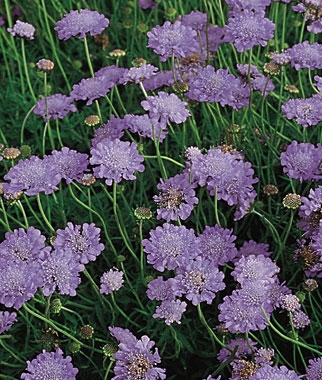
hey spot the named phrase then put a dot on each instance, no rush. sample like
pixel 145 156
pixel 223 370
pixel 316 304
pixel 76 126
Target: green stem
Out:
pixel 44 215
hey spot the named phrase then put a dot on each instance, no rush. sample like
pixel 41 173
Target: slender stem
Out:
pixel 26 70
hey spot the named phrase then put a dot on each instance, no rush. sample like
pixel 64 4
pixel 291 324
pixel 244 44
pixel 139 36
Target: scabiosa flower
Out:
pixel 200 280
pixel 135 359
pixel 164 290
pixel 147 4
pixel 290 302
pixel 210 85
pixel 49 364
pixel 19 282
pixel 314 369
pixel 32 176
pixel 255 268
pixel 116 160
pixel 166 108
pixel 306 112
pixel 22 29
pixel 159 79
pixel 251 5
pixel 168 244
pixel 113 129
pixel 258 81
pixel 91 88
pixel 172 39
pixel 238 316
pixel 111 281
pixel 302 161
pixel 22 246
pixel 268 372
pixel 311 212
pixel 195 19
pixel 69 164
pixel 251 247
pixel 83 240
pixel 299 319
pixel 145 127
pixel 81 22
pixel 247 29
pixel 61 271
pixel 244 348
pixel 305 55
pixel 176 198
pixel 7 320
pixel 56 106
pixel 138 74
pixel 217 244
pixel 170 311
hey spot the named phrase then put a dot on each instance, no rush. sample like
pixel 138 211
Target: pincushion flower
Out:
pixel 83 240
pixel 170 311
pixel 210 85
pixel 166 108
pixel 145 127
pixel 116 160
pixel 22 246
pixel 159 79
pixel 299 319
pixel 244 348
pixel 195 19
pixel 305 55
pixel 251 247
pixel 135 359
pixel 111 281
pixel 217 244
pixel 19 282
pixel 49 364
pixel 81 22
pixel 168 244
pixel 138 74
pixel 251 5
pixel 7 319
pixel 176 198
pixel 113 129
pixel 61 271
pixel 22 29
pixel 32 176
pixel 69 163
pixel 172 39
pixel 268 372
pixel 311 212
pixel 258 81
pixel 200 280
pixel 91 88
pixel 164 290
pixel 56 106
pixel 247 29
pixel 306 112
pixel 314 369
pixel 302 161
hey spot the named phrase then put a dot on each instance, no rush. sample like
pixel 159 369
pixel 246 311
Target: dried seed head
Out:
pixel 270 189
pixel 92 120
pixel 10 153
pixel 291 88
pixel 45 65
pixel 310 284
pixel 138 62
pixel 271 68
pixel 292 201
pixel 117 53
pixel 109 349
pixel 88 179
pixel 49 339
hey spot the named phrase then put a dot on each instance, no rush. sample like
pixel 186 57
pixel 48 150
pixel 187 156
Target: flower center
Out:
pixel 138 366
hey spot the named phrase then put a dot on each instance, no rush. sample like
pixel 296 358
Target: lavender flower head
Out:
pixel 61 271
pixel 311 212
pixel 116 160
pixel 176 199
pixel 56 106
pixel 314 369
pixel 113 129
pixel 195 19
pixel 252 5
pixel 200 280
pixel 306 55
pixel 306 112
pixel 83 240
pixel 145 127
pixel 168 244
pixel 166 108
pixel 81 22
pixel 172 39
pixel 274 373
pixel 22 29
pixel 111 281
pixel 247 29
pixel 302 161
pixel 299 319
pixel 251 247
pixel 69 164
pixel 258 81
pixel 135 359
pixel 245 347
pixel 22 246
pixel 170 311
pixel 7 320
pixel 164 290
pixel 32 176
pixel 47 364
pixel 217 244
pixel 138 74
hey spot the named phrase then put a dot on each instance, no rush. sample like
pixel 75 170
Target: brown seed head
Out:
pixel 92 120
pixel 45 65
pixel 10 153
pixel 270 189
pixel 292 201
